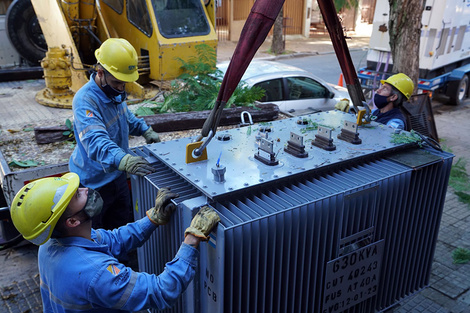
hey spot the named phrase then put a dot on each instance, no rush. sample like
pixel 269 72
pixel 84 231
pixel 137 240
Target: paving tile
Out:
pixel 23 296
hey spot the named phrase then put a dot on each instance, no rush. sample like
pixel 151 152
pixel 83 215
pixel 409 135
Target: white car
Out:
pixel 294 90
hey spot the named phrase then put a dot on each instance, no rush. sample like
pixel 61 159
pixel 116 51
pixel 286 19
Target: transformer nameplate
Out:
pixel 352 278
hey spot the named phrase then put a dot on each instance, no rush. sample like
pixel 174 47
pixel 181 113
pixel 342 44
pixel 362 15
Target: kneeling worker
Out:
pixel 388 98
pixel 78 265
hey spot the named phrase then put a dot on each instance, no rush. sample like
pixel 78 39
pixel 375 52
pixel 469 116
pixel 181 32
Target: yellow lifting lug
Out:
pixel 190 147
pixel 360 118
pixel 196 151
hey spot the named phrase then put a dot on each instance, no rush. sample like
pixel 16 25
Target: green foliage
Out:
pixel 69 132
pixel 145 111
pixel 311 125
pixel 24 164
pixel 461 256
pixel 203 63
pixel 460 181
pixel 403 137
pixel 197 88
pixel 345 4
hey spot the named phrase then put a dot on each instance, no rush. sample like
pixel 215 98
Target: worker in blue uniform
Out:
pixel 388 99
pixel 102 125
pixel 78 265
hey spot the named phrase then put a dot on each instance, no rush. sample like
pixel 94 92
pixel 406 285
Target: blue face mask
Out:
pixel 380 101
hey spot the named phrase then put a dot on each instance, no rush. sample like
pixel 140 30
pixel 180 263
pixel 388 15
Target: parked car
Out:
pixel 294 90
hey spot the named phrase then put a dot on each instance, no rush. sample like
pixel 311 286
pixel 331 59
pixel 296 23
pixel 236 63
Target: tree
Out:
pixel 345 4
pixel 405 30
pixel 278 45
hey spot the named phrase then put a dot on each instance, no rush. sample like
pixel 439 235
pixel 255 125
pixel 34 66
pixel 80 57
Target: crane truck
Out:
pixel 68 33
pixel 444 54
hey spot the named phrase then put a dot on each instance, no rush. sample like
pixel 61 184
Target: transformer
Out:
pixel 317 215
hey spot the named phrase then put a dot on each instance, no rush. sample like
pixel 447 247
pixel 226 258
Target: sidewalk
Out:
pixel 449 289
pixel 295 46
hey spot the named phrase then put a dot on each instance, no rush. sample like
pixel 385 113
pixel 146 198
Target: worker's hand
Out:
pixel 161 213
pixel 135 165
pixel 342 105
pixel 202 223
pixel 151 136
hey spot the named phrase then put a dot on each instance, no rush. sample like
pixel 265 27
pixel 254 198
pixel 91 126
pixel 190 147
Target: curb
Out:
pixel 301 54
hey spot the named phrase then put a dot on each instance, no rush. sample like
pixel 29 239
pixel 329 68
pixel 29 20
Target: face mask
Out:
pixel 94 203
pixel 380 101
pixel 115 95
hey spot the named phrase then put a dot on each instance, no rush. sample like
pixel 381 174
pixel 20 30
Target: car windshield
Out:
pixel 180 18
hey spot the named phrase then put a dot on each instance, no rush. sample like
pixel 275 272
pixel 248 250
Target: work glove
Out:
pixel 342 105
pixel 135 165
pixel 161 213
pixel 202 223
pixel 151 136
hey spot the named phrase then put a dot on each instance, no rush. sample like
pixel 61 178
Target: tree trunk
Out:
pixel 278 44
pixel 405 31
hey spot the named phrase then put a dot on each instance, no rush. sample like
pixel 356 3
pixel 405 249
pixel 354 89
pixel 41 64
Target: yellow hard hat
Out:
pixel 403 83
pixel 119 58
pixel 38 206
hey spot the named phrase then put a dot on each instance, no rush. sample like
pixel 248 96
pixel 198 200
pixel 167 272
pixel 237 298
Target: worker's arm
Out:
pixel 123 289
pixel 137 126
pixel 133 235
pixel 396 123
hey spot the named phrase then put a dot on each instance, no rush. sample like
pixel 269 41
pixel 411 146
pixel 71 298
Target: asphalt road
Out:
pixel 326 66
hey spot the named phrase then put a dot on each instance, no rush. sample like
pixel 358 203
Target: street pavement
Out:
pixel 449 288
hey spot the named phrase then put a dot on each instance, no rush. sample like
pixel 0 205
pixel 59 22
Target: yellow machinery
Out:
pixel 160 30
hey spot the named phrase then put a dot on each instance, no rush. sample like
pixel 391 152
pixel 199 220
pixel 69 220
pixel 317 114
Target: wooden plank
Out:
pixel 168 122
pixel 192 120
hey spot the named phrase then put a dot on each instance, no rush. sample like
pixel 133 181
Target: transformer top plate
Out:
pixel 243 156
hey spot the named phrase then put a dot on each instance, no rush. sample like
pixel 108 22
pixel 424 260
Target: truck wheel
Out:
pixel 461 93
pixel 24 31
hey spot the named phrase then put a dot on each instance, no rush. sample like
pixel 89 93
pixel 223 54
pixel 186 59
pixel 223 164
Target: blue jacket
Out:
pixel 102 131
pixel 393 118
pixel 79 274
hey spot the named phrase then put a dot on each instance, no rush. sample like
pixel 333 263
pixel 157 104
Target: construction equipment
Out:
pixel 444 57
pixel 162 32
